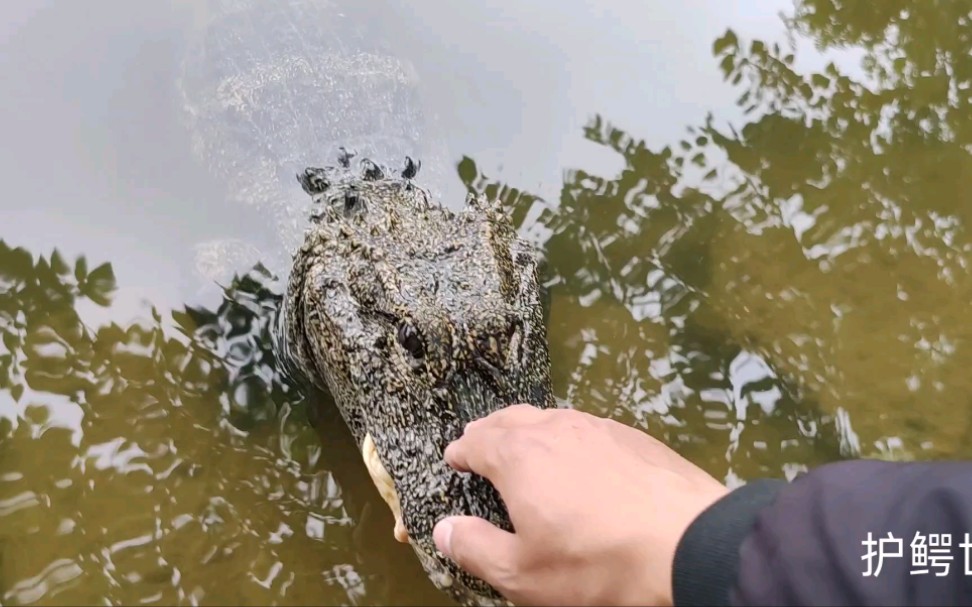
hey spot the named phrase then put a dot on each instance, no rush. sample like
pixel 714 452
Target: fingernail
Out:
pixel 442 536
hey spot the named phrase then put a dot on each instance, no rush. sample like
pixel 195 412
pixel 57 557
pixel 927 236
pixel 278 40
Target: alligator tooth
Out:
pixel 386 486
pixel 445 580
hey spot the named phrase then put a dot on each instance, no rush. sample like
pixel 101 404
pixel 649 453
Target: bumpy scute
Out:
pixel 417 320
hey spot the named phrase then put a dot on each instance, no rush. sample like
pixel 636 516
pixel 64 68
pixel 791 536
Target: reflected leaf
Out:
pixel 727 41
pixel 17 268
pixel 80 269
pixel 58 264
pixel 99 284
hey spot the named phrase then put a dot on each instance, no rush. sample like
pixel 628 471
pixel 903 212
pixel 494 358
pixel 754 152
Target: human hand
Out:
pixel 598 508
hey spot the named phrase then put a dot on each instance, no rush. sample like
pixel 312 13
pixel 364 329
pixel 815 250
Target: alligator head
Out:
pixel 417 320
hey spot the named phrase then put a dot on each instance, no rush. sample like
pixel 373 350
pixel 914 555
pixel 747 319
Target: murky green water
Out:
pixel 788 290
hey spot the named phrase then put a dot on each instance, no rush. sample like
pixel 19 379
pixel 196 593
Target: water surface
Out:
pixel 755 227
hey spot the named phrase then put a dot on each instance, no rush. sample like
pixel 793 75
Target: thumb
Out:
pixel 479 547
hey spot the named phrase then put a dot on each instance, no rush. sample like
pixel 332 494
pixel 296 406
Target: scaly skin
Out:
pixel 417 320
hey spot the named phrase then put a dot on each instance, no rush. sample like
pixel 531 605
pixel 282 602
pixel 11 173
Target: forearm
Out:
pixel 772 542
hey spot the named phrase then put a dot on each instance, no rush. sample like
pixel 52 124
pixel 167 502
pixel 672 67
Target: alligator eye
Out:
pixel 410 340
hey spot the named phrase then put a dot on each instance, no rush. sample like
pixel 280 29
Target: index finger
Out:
pixel 477 451
pixel 510 415
pixel 480 448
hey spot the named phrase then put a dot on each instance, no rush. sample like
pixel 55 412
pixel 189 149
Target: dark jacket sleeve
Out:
pixel 817 540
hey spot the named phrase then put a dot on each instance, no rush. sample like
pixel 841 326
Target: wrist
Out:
pixel 653 551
